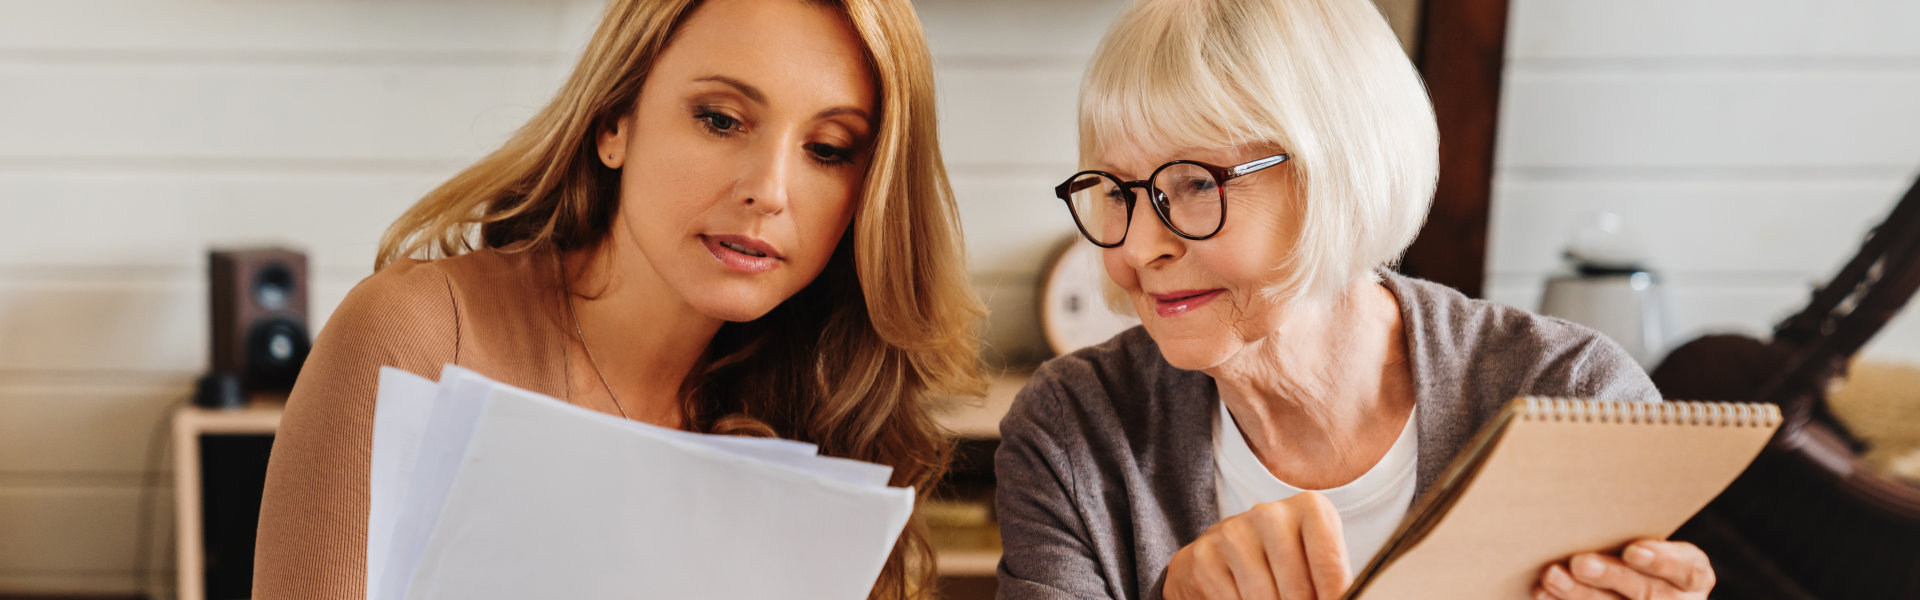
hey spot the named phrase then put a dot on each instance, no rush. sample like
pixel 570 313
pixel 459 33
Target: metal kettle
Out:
pixel 1608 286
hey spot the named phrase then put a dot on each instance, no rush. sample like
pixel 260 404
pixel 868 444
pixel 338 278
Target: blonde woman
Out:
pixel 732 218
pixel 1252 169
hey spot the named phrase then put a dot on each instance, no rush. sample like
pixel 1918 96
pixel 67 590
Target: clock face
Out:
pixel 1073 307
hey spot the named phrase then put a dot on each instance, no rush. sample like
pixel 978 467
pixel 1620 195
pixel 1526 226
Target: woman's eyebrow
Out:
pixel 752 93
pixel 844 110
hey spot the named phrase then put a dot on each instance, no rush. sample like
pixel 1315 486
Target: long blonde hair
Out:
pixel 848 363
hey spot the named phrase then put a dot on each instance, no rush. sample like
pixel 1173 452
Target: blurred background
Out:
pixel 1736 150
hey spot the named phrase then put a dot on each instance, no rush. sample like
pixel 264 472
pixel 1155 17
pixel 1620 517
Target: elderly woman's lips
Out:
pixel 1175 303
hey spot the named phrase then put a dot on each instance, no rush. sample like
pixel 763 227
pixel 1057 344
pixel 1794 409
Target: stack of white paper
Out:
pixel 481 490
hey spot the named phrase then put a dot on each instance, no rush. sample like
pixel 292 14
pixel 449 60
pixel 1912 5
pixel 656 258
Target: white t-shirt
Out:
pixel 1370 507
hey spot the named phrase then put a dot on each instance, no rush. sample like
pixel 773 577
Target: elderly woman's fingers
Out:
pixel 1325 547
pixel 1609 573
pixel 1304 546
pixel 1287 559
pixel 1680 564
pixel 1191 574
pixel 1277 526
pixel 1246 556
pixel 1292 549
pixel 1557 584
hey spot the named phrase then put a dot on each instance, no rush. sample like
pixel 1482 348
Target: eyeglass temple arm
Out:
pixel 1257 165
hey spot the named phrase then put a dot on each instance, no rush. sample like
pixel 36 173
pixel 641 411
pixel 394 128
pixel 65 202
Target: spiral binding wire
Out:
pixel 1722 414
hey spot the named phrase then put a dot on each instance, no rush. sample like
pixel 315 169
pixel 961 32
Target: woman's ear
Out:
pixel 613 142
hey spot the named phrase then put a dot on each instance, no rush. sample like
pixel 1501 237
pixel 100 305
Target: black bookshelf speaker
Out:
pixel 258 301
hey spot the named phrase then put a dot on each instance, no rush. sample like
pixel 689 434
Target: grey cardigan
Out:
pixel 1106 466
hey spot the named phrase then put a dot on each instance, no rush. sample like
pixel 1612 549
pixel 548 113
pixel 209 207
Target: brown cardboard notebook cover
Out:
pixel 1547 479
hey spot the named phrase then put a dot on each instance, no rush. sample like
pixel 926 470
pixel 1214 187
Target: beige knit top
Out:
pixel 498 314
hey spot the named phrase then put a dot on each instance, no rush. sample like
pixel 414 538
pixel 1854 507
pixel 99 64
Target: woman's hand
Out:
pixel 1290 549
pixel 1645 570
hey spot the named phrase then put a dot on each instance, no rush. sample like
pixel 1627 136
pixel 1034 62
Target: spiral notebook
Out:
pixel 1550 478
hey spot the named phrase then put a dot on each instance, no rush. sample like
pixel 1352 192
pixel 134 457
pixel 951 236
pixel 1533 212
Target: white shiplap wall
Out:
pixel 135 133
pixel 1751 143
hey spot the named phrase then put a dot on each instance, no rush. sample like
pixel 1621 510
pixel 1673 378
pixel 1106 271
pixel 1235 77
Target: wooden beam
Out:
pixel 1462 54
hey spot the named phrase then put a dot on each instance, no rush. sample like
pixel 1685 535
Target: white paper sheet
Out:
pixel 399 417
pixel 484 491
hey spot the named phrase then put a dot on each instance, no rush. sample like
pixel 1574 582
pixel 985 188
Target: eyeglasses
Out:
pixel 1189 197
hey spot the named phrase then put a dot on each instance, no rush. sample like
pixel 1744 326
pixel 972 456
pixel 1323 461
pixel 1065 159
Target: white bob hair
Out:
pixel 1323 80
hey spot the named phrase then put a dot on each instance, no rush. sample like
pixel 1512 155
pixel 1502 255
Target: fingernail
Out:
pixel 1639 556
pixel 1588 566
pixel 1558 580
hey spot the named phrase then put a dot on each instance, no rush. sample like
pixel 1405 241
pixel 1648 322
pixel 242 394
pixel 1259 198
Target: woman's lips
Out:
pixel 738 253
pixel 1170 304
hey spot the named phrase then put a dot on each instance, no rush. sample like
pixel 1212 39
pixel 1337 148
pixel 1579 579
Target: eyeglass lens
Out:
pixel 1192 198
pixel 1101 207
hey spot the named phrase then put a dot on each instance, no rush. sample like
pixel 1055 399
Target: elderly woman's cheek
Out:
pixel 1120 272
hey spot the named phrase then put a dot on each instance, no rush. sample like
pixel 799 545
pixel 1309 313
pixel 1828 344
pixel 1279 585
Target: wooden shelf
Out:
pixel 979 418
pixel 968 563
pixel 262 417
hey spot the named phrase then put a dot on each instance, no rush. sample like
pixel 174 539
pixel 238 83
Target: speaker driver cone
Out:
pixel 275 350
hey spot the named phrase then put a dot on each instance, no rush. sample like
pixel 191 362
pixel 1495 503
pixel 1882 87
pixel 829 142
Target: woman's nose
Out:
pixel 1148 240
pixel 767 179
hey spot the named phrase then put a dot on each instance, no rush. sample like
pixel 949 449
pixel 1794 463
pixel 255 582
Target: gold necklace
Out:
pixel 566 290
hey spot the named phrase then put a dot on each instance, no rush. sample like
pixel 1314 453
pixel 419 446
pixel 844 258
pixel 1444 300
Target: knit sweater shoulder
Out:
pixel 497 313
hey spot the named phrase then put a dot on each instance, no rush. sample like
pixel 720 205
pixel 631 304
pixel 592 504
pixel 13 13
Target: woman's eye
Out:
pixel 717 122
pixel 830 154
pixel 1117 196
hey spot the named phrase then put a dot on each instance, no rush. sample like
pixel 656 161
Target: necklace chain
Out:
pixel 567 291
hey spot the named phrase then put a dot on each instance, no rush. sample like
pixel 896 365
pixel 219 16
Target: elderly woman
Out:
pixel 1254 166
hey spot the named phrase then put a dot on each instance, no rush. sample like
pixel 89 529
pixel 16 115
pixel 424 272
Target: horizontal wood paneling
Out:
pixel 1676 30
pixel 1011 224
pixel 95 426
pixel 1707 304
pixel 1751 144
pixel 238 29
pixel 102 115
pixel 577 22
pixel 169 220
pixel 1009 117
pixel 1694 225
pixel 1629 118
pixel 1899 341
pixel 48 529
pixel 120 326
pixel 135 135
pixel 112 583
pixel 1011 335
pixel 1057 32
pixel 1696 307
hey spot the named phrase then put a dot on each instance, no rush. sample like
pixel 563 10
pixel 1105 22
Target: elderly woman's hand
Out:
pixel 1645 570
pixel 1291 549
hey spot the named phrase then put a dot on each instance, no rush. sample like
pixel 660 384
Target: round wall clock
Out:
pixel 1073 307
